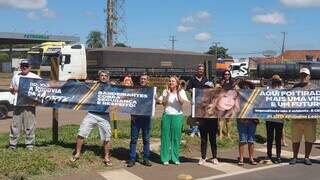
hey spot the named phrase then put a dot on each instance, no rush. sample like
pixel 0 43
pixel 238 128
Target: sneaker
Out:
pixel 215 161
pixel 192 134
pixel 293 161
pixel 12 147
pixel 166 163
pixel 131 163
pixel 307 161
pixel 202 161
pixel 198 134
pixel 147 163
pixel 177 163
pixel 278 160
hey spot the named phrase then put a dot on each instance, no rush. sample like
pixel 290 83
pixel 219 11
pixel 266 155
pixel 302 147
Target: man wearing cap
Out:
pixel 23 116
pixel 305 127
pixel 95 119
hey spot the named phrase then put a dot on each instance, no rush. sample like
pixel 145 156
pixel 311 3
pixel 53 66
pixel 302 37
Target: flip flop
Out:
pixel 240 163
pixel 74 159
pixel 107 163
pixel 252 162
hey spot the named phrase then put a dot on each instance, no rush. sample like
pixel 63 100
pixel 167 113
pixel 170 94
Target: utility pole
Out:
pixel 110 18
pixel 173 40
pixel 283 41
pixel 216 48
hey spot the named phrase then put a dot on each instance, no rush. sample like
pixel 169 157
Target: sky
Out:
pixel 245 27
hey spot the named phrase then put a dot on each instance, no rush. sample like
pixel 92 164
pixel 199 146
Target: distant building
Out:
pixel 300 55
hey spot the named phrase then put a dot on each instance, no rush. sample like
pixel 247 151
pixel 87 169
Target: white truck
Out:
pixel 6 104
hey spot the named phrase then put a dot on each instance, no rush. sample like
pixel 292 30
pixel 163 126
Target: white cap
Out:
pixel 209 84
pixel 305 70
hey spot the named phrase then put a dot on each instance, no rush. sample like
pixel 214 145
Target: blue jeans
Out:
pixel 137 123
pixel 246 131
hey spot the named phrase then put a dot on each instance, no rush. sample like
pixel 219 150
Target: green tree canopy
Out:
pixel 95 40
pixel 120 45
pixel 221 52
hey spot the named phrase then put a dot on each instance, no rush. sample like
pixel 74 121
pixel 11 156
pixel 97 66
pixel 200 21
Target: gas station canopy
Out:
pixel 31 38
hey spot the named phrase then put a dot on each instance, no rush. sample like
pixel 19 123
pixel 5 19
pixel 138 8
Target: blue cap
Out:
pixel 24 62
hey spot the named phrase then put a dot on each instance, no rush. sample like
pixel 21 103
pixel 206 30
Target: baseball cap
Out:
pixel 276 78
pixel 305 70
pixel 25 62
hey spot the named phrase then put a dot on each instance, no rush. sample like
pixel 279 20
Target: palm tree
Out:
pixel 95 40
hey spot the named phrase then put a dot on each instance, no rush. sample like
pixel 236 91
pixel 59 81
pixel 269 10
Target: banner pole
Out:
pixel 54 75
pixel 115 124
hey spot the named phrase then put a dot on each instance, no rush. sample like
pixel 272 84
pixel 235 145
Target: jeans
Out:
pixel 137 123
pixel 274 129
pixel 208 127
pixel 246 131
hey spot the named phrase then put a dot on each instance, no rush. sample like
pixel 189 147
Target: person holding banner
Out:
pixel 144 123
pixel 172 98
pixel 274 127
pixel 303 127
pixel 197 81
pixel 246 130
pixel 226 83
pixel 92 119
pixel 127 80
pixel 23 116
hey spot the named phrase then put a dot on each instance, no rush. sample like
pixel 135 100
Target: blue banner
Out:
pixel 98 97
pixel 260 103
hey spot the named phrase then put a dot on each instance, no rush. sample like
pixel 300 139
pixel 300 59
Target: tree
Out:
pixel 4 57
pixel 95 40
pixel 120 45
pixel 221 52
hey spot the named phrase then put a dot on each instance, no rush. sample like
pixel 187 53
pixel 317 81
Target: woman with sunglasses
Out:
pixel 226 83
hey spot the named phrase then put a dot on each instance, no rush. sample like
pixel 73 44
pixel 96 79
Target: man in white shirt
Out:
pixel 23 116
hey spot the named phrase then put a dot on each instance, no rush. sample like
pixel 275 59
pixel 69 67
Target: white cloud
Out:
pixel 270 18
pixel 33 15
pixel 188 19
pixel 203 15
pixel 24 4
pixel 183 28
pixel 47 13
pixel 301 3
pixel 204 36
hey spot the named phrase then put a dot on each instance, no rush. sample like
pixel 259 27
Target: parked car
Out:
pixel 6 104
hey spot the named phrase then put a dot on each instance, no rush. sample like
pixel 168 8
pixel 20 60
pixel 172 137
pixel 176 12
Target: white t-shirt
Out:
pixel 16 78
pixel 173 106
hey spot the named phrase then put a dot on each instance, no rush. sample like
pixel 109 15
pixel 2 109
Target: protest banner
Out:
pixel 259 103
pixel 98 97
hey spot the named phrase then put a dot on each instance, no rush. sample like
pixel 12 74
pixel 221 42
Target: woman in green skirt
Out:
pixel 172 99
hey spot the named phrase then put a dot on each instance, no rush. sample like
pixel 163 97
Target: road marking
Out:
pixel 119 174
pixel 224 167
pixel 249 170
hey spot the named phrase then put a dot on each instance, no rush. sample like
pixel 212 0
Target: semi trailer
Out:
pixel 78 62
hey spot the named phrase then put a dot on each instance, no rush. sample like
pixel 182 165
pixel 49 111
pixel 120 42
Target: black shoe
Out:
pixel 277 161
pixel 293 161
pixel 147 163
pixel 131 163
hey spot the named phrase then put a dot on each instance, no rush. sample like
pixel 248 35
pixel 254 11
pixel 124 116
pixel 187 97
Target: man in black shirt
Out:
pixel 197 81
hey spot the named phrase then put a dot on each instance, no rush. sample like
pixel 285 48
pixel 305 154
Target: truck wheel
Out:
pixel 3 111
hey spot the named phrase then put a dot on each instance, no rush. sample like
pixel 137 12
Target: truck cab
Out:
pixel 70 60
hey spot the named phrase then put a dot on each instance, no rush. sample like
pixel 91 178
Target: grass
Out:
pixel 50 159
